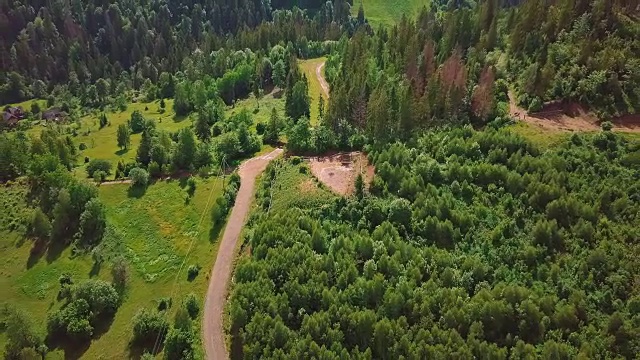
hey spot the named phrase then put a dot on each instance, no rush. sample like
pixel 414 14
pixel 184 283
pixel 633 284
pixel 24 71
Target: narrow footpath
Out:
pixel 323 82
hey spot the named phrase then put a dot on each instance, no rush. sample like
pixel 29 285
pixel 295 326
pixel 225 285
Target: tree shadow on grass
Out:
pixel 214 232
pixel 37 251
pixel 74 349
pixel 179 118
pixel 182 181
pixel 95 269
pixel 121 152
pixel 138 348
pixel 102 326
pixel 54 250
pixel 136 191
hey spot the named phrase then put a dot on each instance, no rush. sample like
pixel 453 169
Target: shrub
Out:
pixel 92 224
pixel 606 126
pixel 82 146
pixel 98 164
pixel 103 120
pixel 260 128
pixel 154 170
pixel 204 171
pixel 137 122
pixel 35 107
pixel 99 176
pixel 179 344
pixel 295 160
pixel 20 332
pixel 164 303
pixel 191 305
pixel 120 273
pixel 191 186
pixel 192 272
pixel 72 321
pixel 148 325
pixel 101 296
pixel 139 177
pixel 65 279
pixel 40 225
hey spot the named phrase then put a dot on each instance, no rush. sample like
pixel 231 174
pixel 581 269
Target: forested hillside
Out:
pixel 123 120
pixel 470 244
pixel 456 64
pixel 125 43
pixel 582 51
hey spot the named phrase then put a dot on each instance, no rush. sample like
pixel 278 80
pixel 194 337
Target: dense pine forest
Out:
pixel 124 122
pixel 469 245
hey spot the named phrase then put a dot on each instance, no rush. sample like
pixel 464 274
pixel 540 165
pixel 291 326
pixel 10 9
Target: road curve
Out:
pixel 323 83
pixel 212 319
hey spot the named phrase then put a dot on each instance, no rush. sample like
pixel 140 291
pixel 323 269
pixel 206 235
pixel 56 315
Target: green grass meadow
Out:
pixel 295 186
pixel 388 12
pixel 153 231
pixel 309 67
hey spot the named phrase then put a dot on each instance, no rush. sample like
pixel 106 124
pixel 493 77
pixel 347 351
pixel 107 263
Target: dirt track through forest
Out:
pixel 580 121
pixel 323 83
pixel 212 320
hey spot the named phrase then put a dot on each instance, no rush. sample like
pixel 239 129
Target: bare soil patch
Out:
pixel 339 171
pixel 569 117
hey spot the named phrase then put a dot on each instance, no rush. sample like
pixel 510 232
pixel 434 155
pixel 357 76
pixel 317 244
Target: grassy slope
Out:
pixel 261 113
pixel 102 143
pixel 540 136
pixel 315 91
pixel 547 138
pixel 295 186
pixel 388 12
pixel 153 232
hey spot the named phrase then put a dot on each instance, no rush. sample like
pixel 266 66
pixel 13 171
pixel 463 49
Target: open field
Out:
pixel 309 68
pixel 102 143
pixel 152 232
pixel 388 12
pixel 295 185
pixel 546 137
pixel 261 113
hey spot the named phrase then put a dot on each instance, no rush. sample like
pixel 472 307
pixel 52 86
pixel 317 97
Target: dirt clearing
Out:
pixel 569 117
pixel 339 171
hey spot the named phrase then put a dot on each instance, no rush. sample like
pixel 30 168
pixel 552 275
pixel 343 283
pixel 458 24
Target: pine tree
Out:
pixel 320 108
pixel 203 129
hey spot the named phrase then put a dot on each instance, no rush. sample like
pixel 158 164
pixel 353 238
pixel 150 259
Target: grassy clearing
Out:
pixel 102 143
pixel 388 12
pixel 261 110
pixel 153 232
pixel 315 90
pixel 547 138
pixel 543 137
pixel 296 187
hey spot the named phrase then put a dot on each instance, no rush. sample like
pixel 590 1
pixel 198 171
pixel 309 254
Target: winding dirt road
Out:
pixel 323 83
pixel 212 319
